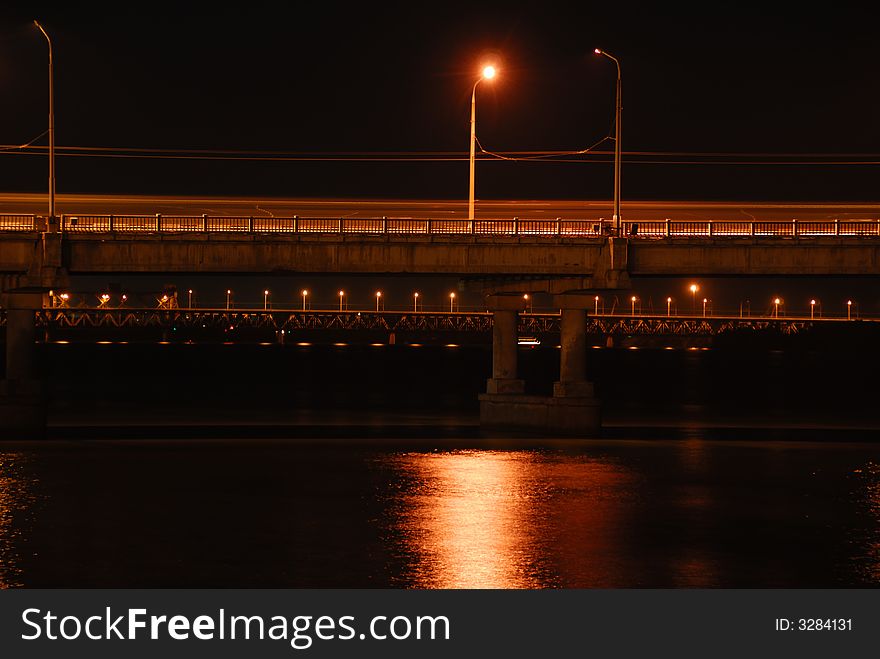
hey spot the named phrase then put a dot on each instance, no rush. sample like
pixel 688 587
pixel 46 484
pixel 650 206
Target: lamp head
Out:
pixel 598 51
pixel 489 72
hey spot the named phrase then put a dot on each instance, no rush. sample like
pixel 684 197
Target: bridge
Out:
pixel 569 257
pixel 293 321
pixel 581 253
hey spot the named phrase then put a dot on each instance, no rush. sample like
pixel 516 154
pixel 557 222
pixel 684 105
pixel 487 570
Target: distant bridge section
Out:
pixel 528 324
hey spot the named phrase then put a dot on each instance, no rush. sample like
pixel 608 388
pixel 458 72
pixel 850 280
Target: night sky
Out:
pixel 322 78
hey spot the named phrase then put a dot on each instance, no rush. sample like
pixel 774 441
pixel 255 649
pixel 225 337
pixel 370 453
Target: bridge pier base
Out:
pixel 572 410
pixel 22 395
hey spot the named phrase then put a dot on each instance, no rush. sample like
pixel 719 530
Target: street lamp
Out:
pixel 415 301
pixel 668 307
pixel 265 300
pixel 228 298
pixel 776 303
pixel 528 302
pixel 705 300
pixel 812 308
pixel 694 289
pixel 488 74
pixel 617 113
pixel 451 301
pixel 633 300
pixel 190 293
pixel 104 299
pixel 596 300
pixel 849 309
pixel 341 299
pixel 305 294
pixel 51 223
pixel 378 299
pixel 124 298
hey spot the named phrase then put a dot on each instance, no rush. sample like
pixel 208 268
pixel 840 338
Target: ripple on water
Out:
pixel 17 502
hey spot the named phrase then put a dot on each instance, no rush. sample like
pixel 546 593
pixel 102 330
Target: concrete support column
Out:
pixel 573 355
pixel 504 347
pixel 22 399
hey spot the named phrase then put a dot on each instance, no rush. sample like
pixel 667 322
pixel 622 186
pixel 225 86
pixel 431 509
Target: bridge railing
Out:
pixel 559 227
pixel 18 222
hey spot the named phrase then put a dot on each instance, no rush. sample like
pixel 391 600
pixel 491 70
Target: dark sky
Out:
pixel 326 77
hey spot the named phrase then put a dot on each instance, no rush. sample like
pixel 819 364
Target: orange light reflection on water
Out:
pixel 496 519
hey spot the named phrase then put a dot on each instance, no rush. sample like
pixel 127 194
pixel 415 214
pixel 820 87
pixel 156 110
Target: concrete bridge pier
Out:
pixel 576 408
pixel 572 410
pixel 504 347
pixel 22 394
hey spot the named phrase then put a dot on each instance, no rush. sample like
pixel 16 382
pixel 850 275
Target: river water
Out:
pixel 282 513
pixel 299 482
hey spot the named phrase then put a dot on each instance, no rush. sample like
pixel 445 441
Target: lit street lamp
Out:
pixel 228 298
pixel 776 303
pixel 378 299
pixel 528 301
pixel 596 299
pixel 705 300
pixel 849 309
pixel 617 112
pixel 190 293
pixel 416 301
pixel 694 289
pixel 633 300
pixel 265 300
pixel 488 73
pixel 305 294
pixel 103 300
pixel 668 307
pixel 812 308
pixel 341 299
pixel 51 221
pixel 451 302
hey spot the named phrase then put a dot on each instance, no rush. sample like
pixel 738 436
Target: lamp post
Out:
pixel 51 222
pixel 849 309
pixel 190 298
pixel 668 307
pixel 378 299
pixel 694 289
pixel 617 112
pixel 305 294
pixel 705 300
pixel 812 309
pixel 633 300
pixel 528 301
pixel 416 302
pixel 451 302
pixel 341 299
pixel 228 297
pixel 488 74
pixel 776 303
pixel 265 300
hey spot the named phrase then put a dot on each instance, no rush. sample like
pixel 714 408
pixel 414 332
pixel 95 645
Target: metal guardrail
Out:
pixel 558 228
